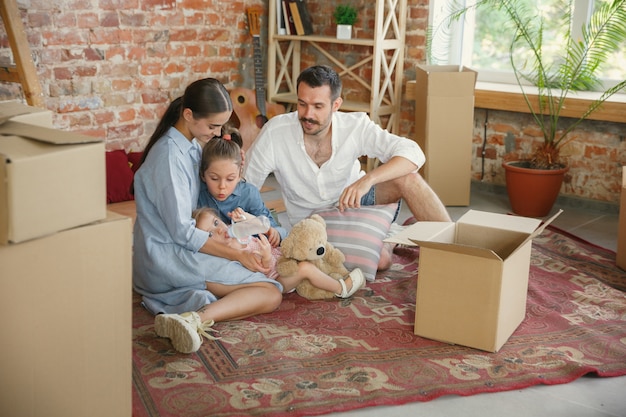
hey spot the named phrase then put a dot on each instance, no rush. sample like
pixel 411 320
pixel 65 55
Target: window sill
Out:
pixel 509 98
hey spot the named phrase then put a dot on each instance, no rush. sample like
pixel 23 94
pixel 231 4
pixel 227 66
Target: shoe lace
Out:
pixel 206 327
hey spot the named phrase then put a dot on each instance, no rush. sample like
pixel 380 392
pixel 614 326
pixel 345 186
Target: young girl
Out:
pixel 208 220
pixel 185 277
pixel 225 190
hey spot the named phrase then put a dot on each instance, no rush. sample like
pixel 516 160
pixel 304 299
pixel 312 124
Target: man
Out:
pixel 314 153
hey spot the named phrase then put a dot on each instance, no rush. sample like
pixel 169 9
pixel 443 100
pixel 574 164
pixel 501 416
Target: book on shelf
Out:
pixel 305 16
pixel 295 14
pixel 289 24
pixel 280 19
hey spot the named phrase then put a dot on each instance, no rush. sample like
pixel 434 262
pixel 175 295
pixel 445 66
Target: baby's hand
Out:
pixel 273 237
pixel 238 215
pixel 265 250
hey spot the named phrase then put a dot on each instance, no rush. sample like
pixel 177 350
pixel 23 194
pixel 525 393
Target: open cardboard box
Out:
pixel 473 277
pixel 18 112
pixel 621 231
pixel 50 180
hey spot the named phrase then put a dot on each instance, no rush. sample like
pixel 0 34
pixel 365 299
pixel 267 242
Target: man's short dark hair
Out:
pixel 319 75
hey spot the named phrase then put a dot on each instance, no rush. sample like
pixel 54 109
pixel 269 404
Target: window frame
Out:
pixel 460 36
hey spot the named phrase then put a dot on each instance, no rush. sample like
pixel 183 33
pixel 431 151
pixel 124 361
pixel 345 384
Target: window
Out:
pixel 481 41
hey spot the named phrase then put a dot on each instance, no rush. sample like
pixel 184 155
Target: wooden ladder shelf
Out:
pixel 23 72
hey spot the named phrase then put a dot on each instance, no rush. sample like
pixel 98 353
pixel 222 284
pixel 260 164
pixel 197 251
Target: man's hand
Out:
pixel 351 195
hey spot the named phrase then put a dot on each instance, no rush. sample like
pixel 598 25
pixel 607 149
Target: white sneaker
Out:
pixel 358 281
pixel 185 330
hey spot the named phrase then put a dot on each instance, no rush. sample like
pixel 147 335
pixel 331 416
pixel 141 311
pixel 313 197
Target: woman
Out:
pixel 185 278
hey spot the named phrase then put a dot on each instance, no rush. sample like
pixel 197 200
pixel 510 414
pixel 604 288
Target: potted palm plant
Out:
pixel 345 15
pixel 552 78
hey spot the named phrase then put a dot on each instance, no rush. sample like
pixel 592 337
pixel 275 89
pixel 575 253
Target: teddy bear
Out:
pixel 308 241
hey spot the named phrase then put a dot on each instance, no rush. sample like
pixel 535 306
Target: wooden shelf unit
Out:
pixel 386 60
pixel 24 71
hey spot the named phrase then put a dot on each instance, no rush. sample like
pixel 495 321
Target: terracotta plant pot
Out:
pixel 532 192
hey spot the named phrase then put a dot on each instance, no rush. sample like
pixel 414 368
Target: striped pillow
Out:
pixel 359 234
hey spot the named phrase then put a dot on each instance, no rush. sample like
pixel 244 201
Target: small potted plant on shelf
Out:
pixel 345 16
pixel 552 77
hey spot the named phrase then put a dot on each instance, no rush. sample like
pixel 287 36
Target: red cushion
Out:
pixel 119 177
pixel 134 160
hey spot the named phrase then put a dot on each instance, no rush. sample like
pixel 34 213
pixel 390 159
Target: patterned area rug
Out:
pixel 312 358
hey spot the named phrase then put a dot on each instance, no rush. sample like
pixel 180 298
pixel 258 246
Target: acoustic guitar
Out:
pixel 250 107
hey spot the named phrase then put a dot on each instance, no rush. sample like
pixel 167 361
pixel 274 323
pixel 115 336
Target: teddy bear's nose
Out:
pixel 320 251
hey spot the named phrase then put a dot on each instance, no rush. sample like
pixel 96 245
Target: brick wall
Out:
pixel 595 152
pixel 108 68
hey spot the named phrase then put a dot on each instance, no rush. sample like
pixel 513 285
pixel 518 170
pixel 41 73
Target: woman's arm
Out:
pixel 247 259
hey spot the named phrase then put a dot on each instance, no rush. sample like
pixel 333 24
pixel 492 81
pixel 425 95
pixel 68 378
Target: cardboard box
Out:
pixel 50 180
pixel 473 277
pixel 18 112
pixel 444 126
pixel 65 315
pixel 621 231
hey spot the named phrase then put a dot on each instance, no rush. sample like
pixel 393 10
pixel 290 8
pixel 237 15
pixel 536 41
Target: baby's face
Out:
pixel 218 231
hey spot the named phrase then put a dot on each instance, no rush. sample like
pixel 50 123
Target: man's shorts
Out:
pixel 369 199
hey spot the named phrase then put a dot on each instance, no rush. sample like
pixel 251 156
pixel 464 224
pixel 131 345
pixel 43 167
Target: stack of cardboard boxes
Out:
pixel 65 274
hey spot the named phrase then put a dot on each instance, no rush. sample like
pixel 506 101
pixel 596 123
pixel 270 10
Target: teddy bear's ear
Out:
pixel 318 219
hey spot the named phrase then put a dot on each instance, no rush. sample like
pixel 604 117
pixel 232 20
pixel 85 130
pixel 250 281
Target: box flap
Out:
pixel 457 248
pixel 499 221
pixel 423 231
pixel 44 134
pixel 501 241
pixel 446 80
pixel 539 230
pixel 10 109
